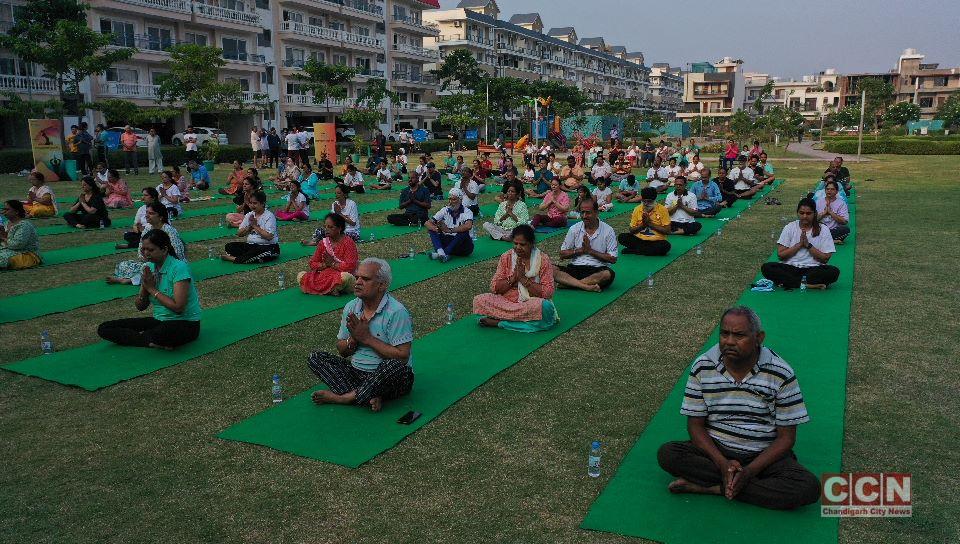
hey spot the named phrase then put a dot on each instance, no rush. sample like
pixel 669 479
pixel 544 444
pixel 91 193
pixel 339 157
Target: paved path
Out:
pixel 806 148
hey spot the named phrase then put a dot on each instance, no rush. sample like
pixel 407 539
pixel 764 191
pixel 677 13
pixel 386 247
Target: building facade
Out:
pixel 924 84
pixel 265 44
pixel 666 90
pixel 713 89
pixel 813 96
pixel 521 49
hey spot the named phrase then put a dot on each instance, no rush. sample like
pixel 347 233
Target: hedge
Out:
pixel 895 147
pixel 904 137
pixel 15 160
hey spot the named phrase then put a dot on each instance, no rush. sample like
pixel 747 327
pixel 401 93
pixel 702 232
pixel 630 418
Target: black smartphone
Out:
pixel 409 417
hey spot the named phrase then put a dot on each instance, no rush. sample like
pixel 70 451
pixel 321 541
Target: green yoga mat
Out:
pixel 810 330
pixel 351 436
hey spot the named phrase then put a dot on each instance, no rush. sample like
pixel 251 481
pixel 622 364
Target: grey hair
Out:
pixel 752 318
pixel 384 274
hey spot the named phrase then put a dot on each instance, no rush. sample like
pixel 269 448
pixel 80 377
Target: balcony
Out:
pixel 458 39
pixel 128 90
pixel 225 14
pixel 417 106
pixel 179 6
pixel 423 79
pixel 363 7
pixel 417 25
pixel 239 57
pixel 307 100
pixel 148 44
pixel 366 72
pixel 310 31
pixel 361 40
pixel 416 51
pixel 27 84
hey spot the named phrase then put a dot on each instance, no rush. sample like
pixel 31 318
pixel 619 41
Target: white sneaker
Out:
pixel 434 255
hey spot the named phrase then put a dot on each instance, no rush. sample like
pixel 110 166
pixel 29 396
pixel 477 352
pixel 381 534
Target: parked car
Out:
pixel 395 136
pixel 141 133
pixel 848 130
pixel 203 135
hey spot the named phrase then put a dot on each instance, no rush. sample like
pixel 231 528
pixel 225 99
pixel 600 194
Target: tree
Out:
pixel 741 124
pixel 846 117
pixel 367 111
pixel 460 110
pixel 785 122
pixel 656 120
pixel 880 95
pixel 765 92
pixel 949 112
pixel 55 35
pixel 193 83
pixel 325 81
pixel 462 68
pixel 614 108
pixel 12 105
pixel 901 113
pixel 124 111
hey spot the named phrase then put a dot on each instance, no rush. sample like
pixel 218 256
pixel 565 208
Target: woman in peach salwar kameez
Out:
pixel 521 288
pixel 334 264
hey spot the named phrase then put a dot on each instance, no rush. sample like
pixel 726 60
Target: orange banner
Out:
pixel 325 140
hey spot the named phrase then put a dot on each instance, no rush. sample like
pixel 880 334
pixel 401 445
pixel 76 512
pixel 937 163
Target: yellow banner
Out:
pixel 46 139
pixel 325 140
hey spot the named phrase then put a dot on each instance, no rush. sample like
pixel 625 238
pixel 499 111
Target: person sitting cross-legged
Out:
pixel 19 241
pixel 415 202
pixel 521 288
pixel 542 180
pixel 571 174
pixel 157 217
pixel 682 206
pixel 374 360
pixel 334 263
pixel 832 212
pixel 556 204
pixel 384 177
pixel 592 246
pixel 745 184
pixel 709 197
pixel 40 202
pixel 600 169
pixel 764 170
pixel 629 189
pixel 450 229
pixel 658 177
pixel 743 405
pixel 511 212
pixel 804 247
pixel 649 225
pixel 259 226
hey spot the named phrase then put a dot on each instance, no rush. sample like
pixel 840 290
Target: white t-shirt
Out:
pixel 603 240
pixel 790 236
pixel 657 176
pixel 695 171
pixel 681 216
pixel 353 180
pixel 302 199
pixel 351 212
pixel 528 174
pixel 190 140
pixel 293 142
pixel 603 196
pixel 384 173
pixel 172 191
pixel 734 174
pixel 264 143
pixel 674 171
pixel 601 170
pixel 102 176
pixel 473 188
pixel 141 218
pixel 267 222
pixel 255 141
pixel 39 192
pixel 443 216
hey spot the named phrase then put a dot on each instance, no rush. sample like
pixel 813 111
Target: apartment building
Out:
pixel 924 84
pixel 520 48
pixel 666 89
pixel 713 89
pixel 264 43
pixel 814 96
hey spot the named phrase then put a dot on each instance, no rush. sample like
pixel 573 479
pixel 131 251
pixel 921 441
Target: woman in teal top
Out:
pixel 166 283
pixel 309 185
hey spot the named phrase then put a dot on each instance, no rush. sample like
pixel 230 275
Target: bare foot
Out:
pixel 325 396
pixel 376 404
pixel 592 288
pixel 489 322
pixel 816 286
pixel 682 486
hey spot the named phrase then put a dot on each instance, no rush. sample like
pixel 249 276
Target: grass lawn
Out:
pixel 139 462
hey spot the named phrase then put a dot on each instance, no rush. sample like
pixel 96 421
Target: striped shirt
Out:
pixel 743 417
pixel 391 324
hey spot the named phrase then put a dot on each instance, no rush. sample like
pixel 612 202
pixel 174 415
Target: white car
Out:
pixel 142 134
pixel 203 134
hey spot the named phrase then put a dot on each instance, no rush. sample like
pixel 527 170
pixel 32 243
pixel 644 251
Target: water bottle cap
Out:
pixel 276 376
pixel 596 444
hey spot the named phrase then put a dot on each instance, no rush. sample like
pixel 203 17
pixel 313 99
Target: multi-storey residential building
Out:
pixel 520 48
pixel 264 43
pixel 924 84
pixel 666 89
pixel 813 96
pixel 713 89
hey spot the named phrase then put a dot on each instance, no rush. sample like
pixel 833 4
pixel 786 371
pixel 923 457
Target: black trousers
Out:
pixel 130 161
pixel 143 331
pixel 274 159
pixel 784 485
pixel 636 246
pixel 252 253
pixel 88 220
pixel 84 162
pixel 686 228
pixel 840 232
pixel 132 238
pixel 406 219
pixel 790 276
pixel 391 380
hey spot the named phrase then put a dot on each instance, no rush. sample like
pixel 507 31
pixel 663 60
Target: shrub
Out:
pixel 15 160
pixel 899 146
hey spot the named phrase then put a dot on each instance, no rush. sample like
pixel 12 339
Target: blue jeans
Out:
pixel 459 244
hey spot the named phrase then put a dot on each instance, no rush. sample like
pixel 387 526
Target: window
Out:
pixel 292 16
pixel 263 4
pixel 340 59
pixel 159 39
pixel 362 30
pixel 157 77
pixel 399 12
pixel 316 21
pixel 194 38
pixel 926 102
pixel 362 65
pixel 8 67
pixel 266 76
pixel 381 58
pixel 263 39
pixel 243 82
pixel 123 34
pixel 294 57
pixel 319 56
pixel 294 88
pixel 336 25
pixel 940 81
pixel 234 49
pixel 236 5
pixel 122 75
pixel 381 28
pixel 6 15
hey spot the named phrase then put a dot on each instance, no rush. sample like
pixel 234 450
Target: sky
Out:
pixel 783 38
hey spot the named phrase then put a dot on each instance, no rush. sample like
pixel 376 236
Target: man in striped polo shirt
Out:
pixel 743 404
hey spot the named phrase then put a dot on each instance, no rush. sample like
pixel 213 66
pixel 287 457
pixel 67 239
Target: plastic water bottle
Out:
pixel 773 234
pixel 102 224
pixel 46 344
pixel 650 280
pixel 473 233
pixel 803 283
pixel 411 253
pixel 719 231
pixel 277 390
pixel 593 462
pixel 699 250
pixel 281 279
pixel 211 253
pixel 220 224
pixel 450 315
pixel 373 238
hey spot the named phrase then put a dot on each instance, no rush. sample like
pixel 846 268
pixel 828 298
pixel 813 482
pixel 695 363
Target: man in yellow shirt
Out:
pixel 649 225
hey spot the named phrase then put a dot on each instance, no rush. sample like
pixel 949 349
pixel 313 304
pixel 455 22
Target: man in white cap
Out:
pixel 450 229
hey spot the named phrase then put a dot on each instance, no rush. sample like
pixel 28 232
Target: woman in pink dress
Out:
pixel 521 289
pixel 334 263
pixel 248 186
pixel 117 192
pixel 556 204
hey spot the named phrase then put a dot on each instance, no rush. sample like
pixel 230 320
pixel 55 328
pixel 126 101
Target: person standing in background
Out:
pixel 154 155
